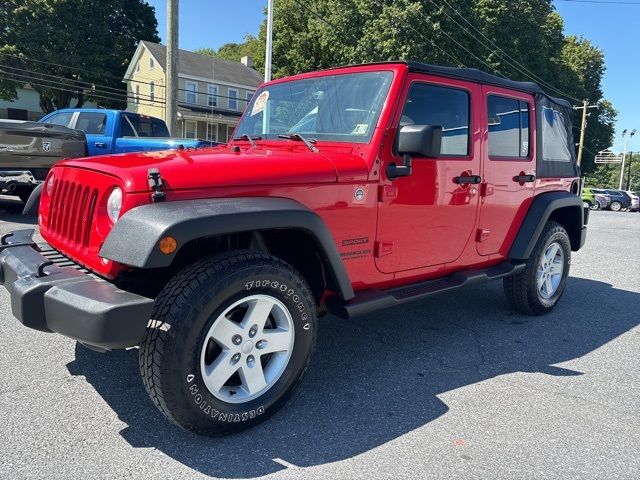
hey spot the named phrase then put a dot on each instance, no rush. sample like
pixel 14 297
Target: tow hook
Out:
pixel 156 185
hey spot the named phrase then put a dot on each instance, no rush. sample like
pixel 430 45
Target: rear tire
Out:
pixel 615 206
pixel 538 288
pixel 230 338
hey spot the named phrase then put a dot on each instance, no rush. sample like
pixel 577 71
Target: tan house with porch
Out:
pixel 212 92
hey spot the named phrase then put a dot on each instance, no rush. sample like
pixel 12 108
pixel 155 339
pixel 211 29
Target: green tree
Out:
pixel 608 175
pixel 525 42
pixel 91 41
pixel 251 47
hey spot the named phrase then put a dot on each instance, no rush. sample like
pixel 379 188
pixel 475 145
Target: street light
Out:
pixel 624 153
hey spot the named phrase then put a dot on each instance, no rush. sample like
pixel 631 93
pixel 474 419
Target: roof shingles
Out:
pixel 205 66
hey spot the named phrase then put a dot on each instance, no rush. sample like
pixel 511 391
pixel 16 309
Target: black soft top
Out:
pixel 478 76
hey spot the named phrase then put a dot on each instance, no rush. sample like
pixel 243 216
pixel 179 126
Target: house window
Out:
pixel 136 97
pixel 152 91
pixel 508 127
pixel 212 95
pixel 191 92
pixel 152 64
pixel 212 132
pixel 190 129
pixel 138 67
pixel 233 99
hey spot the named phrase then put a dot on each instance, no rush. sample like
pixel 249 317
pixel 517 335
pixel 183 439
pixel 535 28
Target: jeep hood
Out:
pixel 215 167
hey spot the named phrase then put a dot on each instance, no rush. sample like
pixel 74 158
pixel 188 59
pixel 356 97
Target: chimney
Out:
pixel 247 61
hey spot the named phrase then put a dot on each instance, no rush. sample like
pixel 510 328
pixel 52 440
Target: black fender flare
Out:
pixel 31 207
pixel 134 238
pixel 566 206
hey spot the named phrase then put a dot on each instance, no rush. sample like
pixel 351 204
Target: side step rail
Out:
pixel 372 300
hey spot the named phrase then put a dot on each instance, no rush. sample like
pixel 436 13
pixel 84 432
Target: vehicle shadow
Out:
pixel 11 211
pixel 376 378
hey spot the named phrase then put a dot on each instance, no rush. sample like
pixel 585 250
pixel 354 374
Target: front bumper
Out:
pixel 59 298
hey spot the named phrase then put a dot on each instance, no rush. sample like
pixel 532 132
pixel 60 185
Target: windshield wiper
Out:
pixel 300 138
pixel 248 138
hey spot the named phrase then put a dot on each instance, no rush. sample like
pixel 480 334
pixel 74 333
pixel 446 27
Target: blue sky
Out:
pixel 613 28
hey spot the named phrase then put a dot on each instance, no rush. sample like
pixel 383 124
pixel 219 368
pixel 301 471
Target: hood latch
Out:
pixel 156 185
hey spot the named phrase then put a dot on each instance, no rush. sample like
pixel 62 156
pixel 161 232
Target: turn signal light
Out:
pixel 168 245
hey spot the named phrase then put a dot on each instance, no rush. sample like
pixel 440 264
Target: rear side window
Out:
pixel 62 118
pixel 144 127
pixel 444 106
pixel 126 129
pixel 159 128
pixel 508 127
pixel 92 123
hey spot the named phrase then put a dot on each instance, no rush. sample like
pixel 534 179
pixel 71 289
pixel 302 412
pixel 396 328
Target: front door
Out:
pixel 427 218
pixel 94 124
pixel 508 171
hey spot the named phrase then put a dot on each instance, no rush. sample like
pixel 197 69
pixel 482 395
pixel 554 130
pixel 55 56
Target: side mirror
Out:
pixel 423 140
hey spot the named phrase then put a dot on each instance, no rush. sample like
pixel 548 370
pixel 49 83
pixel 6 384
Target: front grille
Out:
pixel 71 212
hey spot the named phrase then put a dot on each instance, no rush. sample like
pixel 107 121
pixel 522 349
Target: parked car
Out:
pixel 635 201
pixel 602 201
pixel 29 149
pixel 388 196
pixel 115 131
pixel 620 200
pixel 589 199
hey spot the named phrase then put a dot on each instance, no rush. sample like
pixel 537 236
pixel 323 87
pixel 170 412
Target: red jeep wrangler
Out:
pixel 346 190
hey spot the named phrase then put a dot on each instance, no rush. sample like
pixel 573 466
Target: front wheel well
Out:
pixel 295 246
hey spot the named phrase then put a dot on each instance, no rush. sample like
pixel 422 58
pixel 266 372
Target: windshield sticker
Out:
pixel 361 129
pixel 260 103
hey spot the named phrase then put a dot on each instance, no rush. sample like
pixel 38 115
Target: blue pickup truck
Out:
pixel 115 131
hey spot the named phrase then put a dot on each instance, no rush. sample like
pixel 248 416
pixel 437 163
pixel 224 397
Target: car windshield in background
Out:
pixel 341 108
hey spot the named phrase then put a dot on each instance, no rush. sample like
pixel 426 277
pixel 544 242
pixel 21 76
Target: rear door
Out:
pixel 508 167
pixel 94 125
pixel 427 219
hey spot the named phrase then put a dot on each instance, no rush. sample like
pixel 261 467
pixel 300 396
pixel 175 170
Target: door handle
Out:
pixel 467 179
pixel 100 145
pixel 524 178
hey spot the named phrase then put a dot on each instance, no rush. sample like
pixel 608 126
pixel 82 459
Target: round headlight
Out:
pixel 50 183
pixel 114 204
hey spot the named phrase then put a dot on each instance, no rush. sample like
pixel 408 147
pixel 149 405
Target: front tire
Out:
pixel 538 288
pixel 230 338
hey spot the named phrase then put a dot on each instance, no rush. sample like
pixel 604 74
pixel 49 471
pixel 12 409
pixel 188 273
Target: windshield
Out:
pixel 340 108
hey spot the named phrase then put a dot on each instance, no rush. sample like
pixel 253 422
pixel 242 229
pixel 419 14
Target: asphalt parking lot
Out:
pixel 458 386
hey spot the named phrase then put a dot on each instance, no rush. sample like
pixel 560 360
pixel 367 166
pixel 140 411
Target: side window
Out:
pixel 144 127
pixel 508 127
pixel 92 123
pixel 445 106
pixel 126 129
pixel 62 118
pixel 160 129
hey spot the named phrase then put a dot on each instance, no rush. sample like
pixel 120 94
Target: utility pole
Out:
pixel 629 171
pixel 624 153
pixel 583 128
pixel 172 66
pixel 269 46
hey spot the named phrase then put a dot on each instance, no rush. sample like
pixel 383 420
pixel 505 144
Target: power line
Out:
pixel 505 57
pixel 74 82
pixel 613 2
pixel 102 97
pixel 69 67
pixel 448 54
